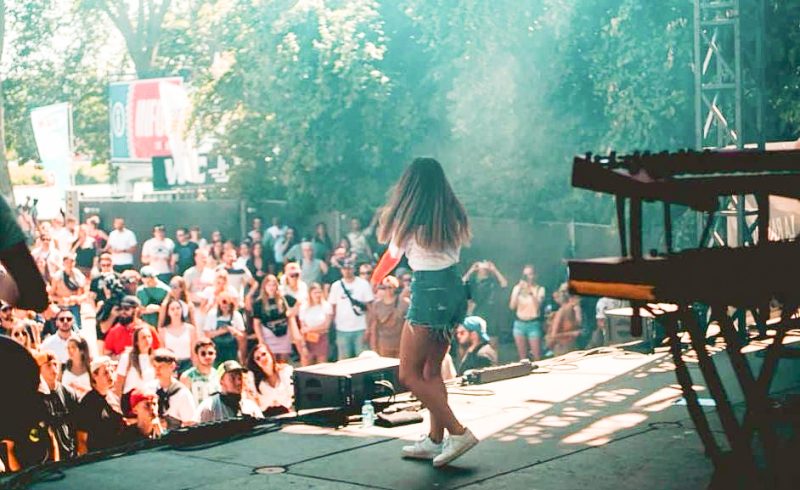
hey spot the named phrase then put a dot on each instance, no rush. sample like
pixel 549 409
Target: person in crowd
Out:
pixel 183 253
pixel 350 297
pixel 312 269
pixel 225 326
pixel 68 288
pixel 274 323
pixel 405 286
pixel 359 243
pixel 151 293
pixel 270 381
pixel 602 334
pixel 211 294
pixel 256 232
pixel 386 319
pixel 292 285
pixel 486 285
pixel 365 271
pixel 178 291
pixel 22 336
pixel 202 379
pixel 216 236
pixel 61 404
pixel 135 369
pixel 316 316
pixel 199 277
pixel 527 303
pixel 323 246
pixel 283 244
pixel 99 421
pixel 76 370
pixel 243 254
pixel 196 237
pixel 63 237
pixel 566 326
pixel 85 250
pixel 348 251
pixel 424 220
pixel 96 233
pixel 216 250
pixel 48 258
pixel 126 320
pixel 335 269
pixel 176 405
pixel 259 265
pixel 157 252
pixel 475 350
pixel 98 287
pixel 229 402
pixel 177 334
pixel 144 408
pixel 239 278
pixel 122 245
pixel 273 233
pixel 57 343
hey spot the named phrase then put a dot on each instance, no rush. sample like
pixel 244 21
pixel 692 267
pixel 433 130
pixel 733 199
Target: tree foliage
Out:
pixel 325 101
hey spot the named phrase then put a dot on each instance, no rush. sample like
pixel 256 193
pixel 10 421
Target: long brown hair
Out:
pixel 264 297
pixel 422 206
pixel 134 352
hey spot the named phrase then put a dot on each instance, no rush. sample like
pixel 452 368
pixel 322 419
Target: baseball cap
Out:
pixel 478 325
pixel 98 362
pixel 147 271
pixel 230 367
pixel 137 396
pixel 130 300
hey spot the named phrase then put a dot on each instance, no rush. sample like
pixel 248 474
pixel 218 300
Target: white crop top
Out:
pixel 421 259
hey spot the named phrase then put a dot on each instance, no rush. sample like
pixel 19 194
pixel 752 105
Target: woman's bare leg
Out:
pixel 433 375
pixel 417 348
pixel 522 346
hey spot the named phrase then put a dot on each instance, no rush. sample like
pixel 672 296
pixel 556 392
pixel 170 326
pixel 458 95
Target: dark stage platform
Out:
pixel 602 421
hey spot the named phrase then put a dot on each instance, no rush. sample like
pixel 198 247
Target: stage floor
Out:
pixel 604 421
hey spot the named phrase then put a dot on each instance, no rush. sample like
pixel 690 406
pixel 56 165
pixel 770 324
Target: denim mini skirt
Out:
pixel 438 299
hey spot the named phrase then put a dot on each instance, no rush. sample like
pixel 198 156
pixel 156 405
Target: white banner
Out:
pixel 176 108
pixel 52 130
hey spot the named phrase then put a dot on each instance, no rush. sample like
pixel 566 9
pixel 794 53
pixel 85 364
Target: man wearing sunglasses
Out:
pixel 202 379
pixel 120 335
pixel 57 343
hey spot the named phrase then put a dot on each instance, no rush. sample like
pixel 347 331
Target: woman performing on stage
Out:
pixel 425 221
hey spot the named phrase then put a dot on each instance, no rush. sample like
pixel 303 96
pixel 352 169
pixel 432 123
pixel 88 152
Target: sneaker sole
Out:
pixel 419 456
pixel 455 456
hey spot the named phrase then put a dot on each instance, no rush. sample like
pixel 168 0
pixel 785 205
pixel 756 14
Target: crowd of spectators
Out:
pixel 140 339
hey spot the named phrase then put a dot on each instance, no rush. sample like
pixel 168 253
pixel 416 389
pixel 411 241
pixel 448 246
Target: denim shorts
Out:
pixel 530 329
pixel 438 299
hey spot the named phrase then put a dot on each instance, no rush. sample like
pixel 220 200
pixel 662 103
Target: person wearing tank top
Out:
pixel 424 220
pixel 178 335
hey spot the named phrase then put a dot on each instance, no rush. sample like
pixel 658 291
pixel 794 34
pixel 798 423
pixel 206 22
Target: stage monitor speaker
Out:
pixel 345 384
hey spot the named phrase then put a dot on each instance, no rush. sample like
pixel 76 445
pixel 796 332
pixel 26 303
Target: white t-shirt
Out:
pixel 313 316
pixel 121 240
pixel 346 319
pixel 181 404
pixel 421 259
pixel 160 254
pixel 301 295
pixel 58 346
pixel 132 377
pixel 64 239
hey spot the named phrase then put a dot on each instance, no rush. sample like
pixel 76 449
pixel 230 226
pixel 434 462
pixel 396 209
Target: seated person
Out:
pixel 473 342
pixel 99 420
pixel 144 408
pixel 176 406
pixel 270 381
pixel 202 379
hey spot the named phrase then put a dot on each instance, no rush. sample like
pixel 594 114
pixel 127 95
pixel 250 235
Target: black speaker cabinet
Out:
pixel 345 384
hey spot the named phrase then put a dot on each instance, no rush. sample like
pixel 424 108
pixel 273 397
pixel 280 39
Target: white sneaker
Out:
pixel 455 446
pixel 424 448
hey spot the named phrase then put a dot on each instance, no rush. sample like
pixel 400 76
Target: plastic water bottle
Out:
pixel 367 414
